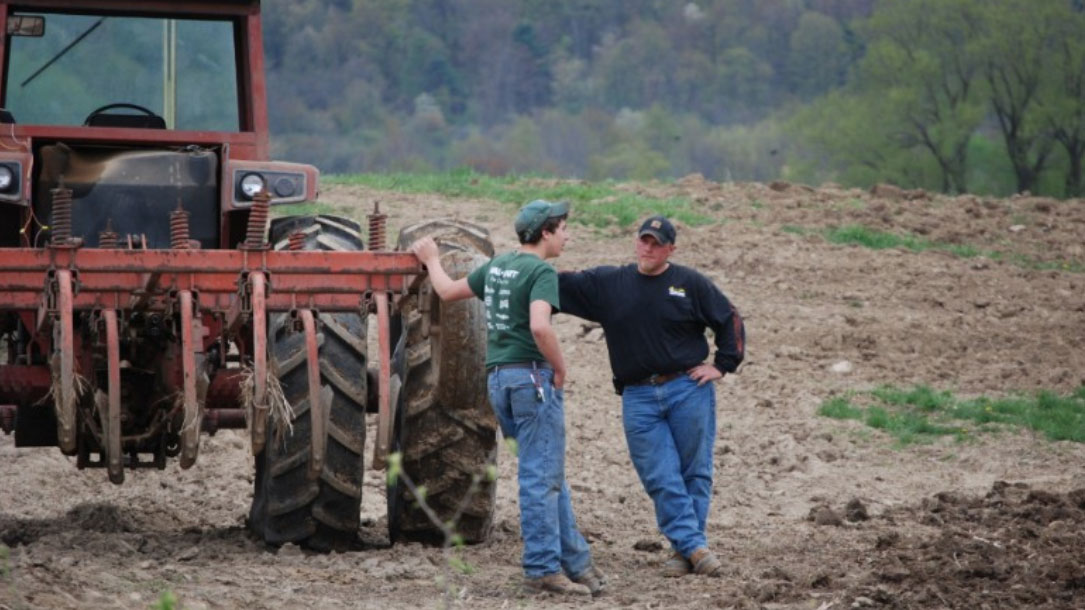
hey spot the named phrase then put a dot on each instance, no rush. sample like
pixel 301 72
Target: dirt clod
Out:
pixel 650 546
pixel 856 510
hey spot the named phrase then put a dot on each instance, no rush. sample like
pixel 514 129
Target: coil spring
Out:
pixel 258 216
pixel 377 228
pixel 297 240
pixel 62 215
pixel 179 228
pixel 108 238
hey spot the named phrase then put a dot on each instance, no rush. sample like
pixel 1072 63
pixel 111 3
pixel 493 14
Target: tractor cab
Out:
pixel 138 109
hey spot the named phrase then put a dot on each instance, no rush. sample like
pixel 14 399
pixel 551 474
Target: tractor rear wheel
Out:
pixel 445 429
pixel 320 514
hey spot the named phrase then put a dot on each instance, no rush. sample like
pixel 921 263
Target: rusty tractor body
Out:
pixel 147 296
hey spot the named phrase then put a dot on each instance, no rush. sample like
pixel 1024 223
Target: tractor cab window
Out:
pixel 150 72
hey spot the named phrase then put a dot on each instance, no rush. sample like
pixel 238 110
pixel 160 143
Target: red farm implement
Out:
pixel 148 295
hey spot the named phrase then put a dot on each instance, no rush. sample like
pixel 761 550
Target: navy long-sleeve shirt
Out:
pixel 655 324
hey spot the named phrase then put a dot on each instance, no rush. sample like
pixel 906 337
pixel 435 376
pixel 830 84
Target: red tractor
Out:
pixel 147 294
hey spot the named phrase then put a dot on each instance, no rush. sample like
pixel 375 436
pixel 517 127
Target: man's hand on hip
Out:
pixel 704 373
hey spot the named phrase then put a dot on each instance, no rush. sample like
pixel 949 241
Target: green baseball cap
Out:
pixel 533 215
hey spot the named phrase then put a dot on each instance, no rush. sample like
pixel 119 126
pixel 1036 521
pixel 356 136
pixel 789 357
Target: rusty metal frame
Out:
pixel 241 286
pixel 257 287
pixel 318 411
pixel 111 428
pixel 64 362
pixel 190 433
pixel 111 279
pixel 386 421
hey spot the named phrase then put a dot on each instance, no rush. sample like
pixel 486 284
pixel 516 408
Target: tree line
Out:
pixel 950 95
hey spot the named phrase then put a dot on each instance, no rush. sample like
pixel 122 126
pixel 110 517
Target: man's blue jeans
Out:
pixel 552 542
pixel 670 430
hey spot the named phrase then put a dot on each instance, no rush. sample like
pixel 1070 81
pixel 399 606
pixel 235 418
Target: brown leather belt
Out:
pixel 658 379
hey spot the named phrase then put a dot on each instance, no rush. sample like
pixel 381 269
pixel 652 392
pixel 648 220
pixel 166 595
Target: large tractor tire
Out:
pixel 445 429
pixel 288 506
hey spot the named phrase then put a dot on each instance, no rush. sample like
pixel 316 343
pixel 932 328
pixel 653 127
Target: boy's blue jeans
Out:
pixel 670 430
pixel 552 542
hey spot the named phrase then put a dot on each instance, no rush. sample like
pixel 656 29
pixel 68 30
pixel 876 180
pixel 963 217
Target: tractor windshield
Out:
pixel 184 71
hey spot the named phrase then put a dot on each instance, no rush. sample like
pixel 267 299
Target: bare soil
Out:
pixel 808 512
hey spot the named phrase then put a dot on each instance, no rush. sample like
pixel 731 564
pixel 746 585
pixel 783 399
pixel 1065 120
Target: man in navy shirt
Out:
pixel 654 314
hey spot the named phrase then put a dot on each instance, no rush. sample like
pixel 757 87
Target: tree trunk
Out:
pixel 1027 172
pixel 1073 173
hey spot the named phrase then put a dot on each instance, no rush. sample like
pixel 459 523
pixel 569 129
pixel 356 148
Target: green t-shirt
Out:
pixel 508 284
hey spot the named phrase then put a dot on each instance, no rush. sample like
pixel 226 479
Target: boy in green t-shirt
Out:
pixel 526 374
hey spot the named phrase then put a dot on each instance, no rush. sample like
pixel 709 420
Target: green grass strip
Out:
pixel 308 208
pixel 596 204
pixel 921 414
pixel 881 240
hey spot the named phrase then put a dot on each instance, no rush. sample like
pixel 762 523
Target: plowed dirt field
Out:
pixel 808 512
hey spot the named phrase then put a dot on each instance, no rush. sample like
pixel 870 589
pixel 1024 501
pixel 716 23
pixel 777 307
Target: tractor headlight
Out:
pixel 283 182
pixel 7 178
pixel 286 186
pixel 251 185
pixel 11 176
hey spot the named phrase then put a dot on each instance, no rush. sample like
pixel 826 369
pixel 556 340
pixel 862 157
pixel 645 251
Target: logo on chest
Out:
pixel 677 291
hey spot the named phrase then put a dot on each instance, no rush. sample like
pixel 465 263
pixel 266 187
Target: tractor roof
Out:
pixel 149 7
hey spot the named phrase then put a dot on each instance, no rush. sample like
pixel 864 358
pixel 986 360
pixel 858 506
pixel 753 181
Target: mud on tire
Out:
pixel 287 506
pixel 445 428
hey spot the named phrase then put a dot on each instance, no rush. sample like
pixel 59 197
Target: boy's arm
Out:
pixel 547 340
pixel 447 288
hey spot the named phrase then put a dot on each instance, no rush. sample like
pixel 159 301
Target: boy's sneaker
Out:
pixel 593 579
pixel 556 583
pixel 677 566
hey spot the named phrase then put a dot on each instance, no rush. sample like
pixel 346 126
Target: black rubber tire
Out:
pixel 445 431
pixel 287 506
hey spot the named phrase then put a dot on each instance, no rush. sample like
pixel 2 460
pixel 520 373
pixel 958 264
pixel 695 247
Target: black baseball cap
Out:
pixel 660 228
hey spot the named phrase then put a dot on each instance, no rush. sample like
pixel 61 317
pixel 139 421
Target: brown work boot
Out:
pixel 556 583
pixel 677 566
pixel 593 579
pixel 705 562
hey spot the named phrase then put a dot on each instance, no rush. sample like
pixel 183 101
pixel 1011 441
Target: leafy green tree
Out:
pixel 1061 108
pixel 522 147
pixel 636 71
pixel 737 152
pixel 921 70
pixel 633 161
pixel 505 60
pixel 849 138
pixel 569 140
pixel 574 88
pixel 1015 55
pixel 843 10
pixel 768 33
pixel 818 56
pixel 741 85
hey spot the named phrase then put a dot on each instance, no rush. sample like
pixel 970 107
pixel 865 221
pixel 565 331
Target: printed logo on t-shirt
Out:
pixel 497 305
pixel 677 291
pixel 504 273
